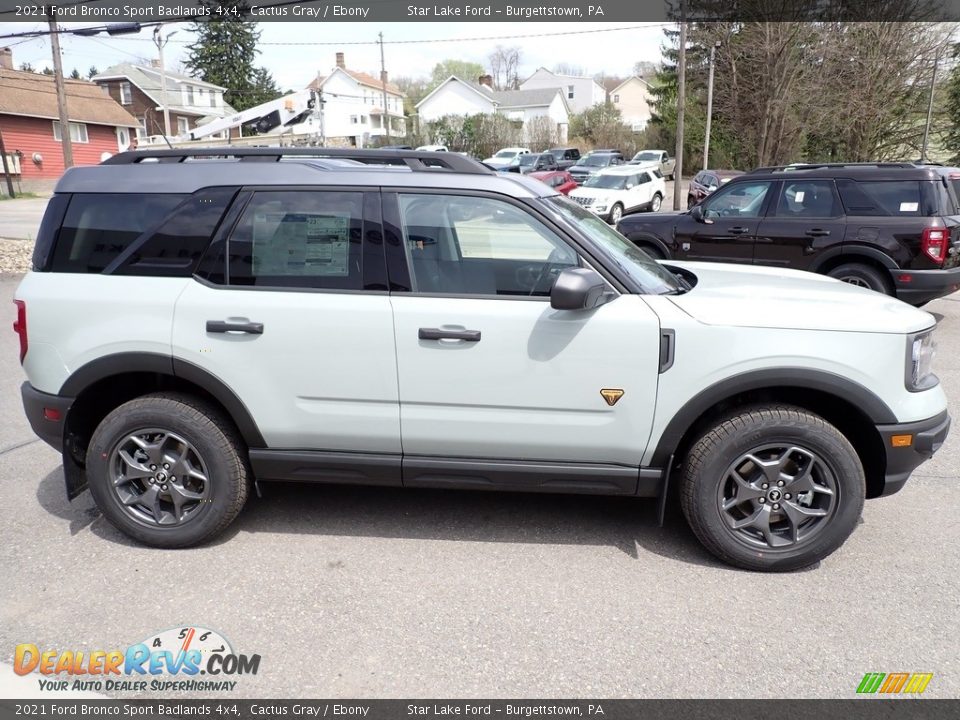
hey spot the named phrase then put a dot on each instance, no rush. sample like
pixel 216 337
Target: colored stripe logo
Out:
pixel 894 683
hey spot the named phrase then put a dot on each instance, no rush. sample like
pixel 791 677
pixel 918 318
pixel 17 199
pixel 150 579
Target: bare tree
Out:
pixel 504 66
pixel 569 69
pixel 541 133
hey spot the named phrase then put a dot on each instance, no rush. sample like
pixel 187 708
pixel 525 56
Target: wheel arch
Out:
pixel 853 254
pixel 850 407
pixel 643 238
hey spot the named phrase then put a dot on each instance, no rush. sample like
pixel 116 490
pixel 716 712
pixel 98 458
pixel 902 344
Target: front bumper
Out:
pixel 47 414
pixel 926 438
pixel 925 285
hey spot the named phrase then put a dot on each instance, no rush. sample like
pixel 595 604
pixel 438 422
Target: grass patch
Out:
pixel 4 196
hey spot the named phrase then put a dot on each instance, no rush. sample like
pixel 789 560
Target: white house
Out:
pixel 632 98
pixel 353 105
pixel 580 92
pixel 455 96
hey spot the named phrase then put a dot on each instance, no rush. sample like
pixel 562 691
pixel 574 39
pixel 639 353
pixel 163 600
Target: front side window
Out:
pixel 808 199
pixel 605 182
pixel 303 239
pixel 480 246
pixel 743 200
pixel 641 179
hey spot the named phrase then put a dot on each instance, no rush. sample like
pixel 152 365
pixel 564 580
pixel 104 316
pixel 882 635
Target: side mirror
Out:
pixel 578 289
pixel 697 213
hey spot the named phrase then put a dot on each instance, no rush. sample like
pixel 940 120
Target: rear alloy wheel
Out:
pixel 773 488
pixel 656 203
pixel 167 470
pixel 863 276
pixel 616 213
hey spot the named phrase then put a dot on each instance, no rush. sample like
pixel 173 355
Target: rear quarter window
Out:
pixel 98 227
pixel 889 198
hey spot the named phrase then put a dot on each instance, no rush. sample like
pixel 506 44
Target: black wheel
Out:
pixel 653 251
pixel 862 276
pixel 656 203
pixel 690 203
pixel 616 212
pixel 772 488
pixel 167 470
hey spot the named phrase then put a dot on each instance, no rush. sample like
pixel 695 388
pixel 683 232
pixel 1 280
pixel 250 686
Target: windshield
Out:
pixel 647 156
pixel 528 159
pixel 595 160
pixel 506 154
pixel 647 273
pixel 607 182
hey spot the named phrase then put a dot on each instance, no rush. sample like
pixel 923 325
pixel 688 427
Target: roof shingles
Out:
pixel 34 95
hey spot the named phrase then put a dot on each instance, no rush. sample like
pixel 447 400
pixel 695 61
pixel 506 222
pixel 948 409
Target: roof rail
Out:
pixel 416 161
pixel 822 166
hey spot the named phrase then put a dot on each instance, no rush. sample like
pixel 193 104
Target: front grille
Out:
pixel 583 200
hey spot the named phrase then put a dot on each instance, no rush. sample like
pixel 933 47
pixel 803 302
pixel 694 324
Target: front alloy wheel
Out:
pixel 772 488
pixel 616 213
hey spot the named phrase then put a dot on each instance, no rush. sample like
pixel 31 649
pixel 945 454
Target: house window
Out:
pixel 616 98
pixel 105 89
pixel 142 130
pixel 78 132
pixel 213 99
pixel 569 92
pixel 183 126
pixel 353 119
pixel 126 95
pixel 190 100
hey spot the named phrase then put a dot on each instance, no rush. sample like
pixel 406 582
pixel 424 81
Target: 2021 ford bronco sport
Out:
pixel 199 321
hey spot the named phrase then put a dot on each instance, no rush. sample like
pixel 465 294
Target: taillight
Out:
pixel 934 244
pixel 20 327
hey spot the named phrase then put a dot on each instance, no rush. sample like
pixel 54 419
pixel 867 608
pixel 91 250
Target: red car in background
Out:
pixel 559 180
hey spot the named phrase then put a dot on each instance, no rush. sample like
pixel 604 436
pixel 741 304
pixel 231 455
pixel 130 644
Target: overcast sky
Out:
pixel 613 51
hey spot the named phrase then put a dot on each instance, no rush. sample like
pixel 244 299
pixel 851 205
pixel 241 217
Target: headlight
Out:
pixel 921 349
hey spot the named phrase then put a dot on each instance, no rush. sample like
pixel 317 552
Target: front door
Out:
pixel 727 233
pixel 488 370
pixel 289 319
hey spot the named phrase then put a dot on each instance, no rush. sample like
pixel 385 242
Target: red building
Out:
pixel 31 129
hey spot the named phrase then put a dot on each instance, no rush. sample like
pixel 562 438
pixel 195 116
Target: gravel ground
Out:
pixel 15 256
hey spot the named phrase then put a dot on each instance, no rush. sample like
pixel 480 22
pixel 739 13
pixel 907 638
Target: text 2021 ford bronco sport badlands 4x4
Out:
pixel 196 321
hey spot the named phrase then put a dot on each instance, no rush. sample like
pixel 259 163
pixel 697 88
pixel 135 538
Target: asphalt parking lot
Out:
pixel 356 592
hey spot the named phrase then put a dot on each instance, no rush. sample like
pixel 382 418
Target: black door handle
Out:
pixel 738 230
pixel 221 326
pixel 817 232
pixel 439 334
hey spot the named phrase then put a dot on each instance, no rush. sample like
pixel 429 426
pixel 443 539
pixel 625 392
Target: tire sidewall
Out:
pixel 832 448
pixel 656 203
pixel 874 280
pixel 126 420
pixel 614 215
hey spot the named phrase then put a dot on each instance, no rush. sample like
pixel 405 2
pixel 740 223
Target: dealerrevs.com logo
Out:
pixel 172 660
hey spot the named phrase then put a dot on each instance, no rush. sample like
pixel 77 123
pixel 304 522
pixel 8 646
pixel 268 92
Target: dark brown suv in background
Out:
pixel 706 182
pixel 890 227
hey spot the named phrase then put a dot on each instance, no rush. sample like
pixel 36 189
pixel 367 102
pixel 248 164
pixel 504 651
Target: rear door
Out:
pixel 293 315
pixel 805 219
pixel 731 217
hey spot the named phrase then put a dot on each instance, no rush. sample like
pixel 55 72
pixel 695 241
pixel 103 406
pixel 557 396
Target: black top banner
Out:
pixel 152 11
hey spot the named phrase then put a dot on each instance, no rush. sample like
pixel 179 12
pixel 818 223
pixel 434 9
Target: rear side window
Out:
pixel 890 198
pixel 302 239
pixel 97 228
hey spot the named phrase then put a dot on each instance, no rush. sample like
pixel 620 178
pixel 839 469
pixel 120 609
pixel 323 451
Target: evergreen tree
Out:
pixel 951 139
pixel 75 75
pixel 224 54
pixel 92 71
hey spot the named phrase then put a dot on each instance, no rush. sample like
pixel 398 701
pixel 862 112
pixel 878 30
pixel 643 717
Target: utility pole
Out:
pixel 160 42
pixel 6 169
pixel 65 141
pixel 320 104
pixel 681 104
pixel 933 86
pixel 383 81
pixel 706 134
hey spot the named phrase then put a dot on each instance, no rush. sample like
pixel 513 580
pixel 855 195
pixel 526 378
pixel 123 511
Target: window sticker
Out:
pixel 909 207
pixel 799 196
pixel 301 244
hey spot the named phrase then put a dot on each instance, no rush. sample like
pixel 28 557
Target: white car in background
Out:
pixel 506 157
pixel 615 191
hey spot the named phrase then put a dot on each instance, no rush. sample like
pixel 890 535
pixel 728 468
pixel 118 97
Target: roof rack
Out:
pixel 416 161
pixel 827 166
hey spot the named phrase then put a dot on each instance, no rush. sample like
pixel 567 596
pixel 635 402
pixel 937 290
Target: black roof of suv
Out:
pixel 890 227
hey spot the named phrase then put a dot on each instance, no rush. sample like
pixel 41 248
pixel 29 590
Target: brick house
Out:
pixel 137 88
pixel 31 128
